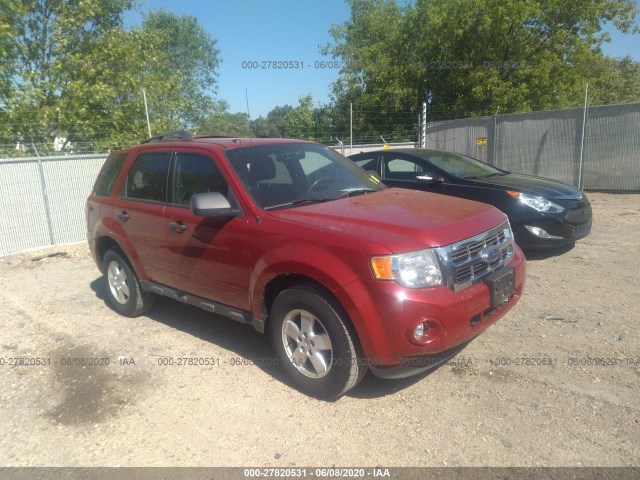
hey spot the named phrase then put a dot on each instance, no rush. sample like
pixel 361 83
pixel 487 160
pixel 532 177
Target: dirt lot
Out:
pixel 555 383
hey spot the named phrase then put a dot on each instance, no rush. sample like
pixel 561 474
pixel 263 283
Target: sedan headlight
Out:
pixel 540 204
pixel 419 269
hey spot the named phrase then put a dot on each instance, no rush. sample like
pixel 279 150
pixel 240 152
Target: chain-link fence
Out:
pixel 601 153
pixel 42 200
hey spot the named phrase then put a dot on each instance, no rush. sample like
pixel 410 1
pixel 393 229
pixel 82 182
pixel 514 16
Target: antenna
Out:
pixel 246 96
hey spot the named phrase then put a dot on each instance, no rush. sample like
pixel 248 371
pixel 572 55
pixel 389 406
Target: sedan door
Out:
pixel 406 171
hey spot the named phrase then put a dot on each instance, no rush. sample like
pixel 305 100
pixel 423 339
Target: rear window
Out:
pixel 109 174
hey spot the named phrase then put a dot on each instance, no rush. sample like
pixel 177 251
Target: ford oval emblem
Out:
pixel 490 254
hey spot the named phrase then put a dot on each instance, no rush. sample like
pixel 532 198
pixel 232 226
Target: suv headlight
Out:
pixel 540 204
pixel 419 269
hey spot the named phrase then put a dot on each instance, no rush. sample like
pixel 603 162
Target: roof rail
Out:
pixel 176 134
pixel 212 135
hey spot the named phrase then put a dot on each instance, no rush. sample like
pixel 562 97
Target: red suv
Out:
pixel 345 274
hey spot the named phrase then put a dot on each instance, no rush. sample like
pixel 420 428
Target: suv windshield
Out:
pixel 286 175
pixel 461 166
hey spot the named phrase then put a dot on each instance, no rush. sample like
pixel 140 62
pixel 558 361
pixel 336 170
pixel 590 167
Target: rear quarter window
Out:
pixel 109 173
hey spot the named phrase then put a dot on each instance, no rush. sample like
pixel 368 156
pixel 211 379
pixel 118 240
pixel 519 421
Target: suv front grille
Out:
pixel 470 251
pixel 474 258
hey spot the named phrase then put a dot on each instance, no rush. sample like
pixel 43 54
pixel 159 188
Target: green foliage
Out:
pixel 475 57
pixel 274 124
pixel 181 74
pixel 220 121
pixel 69 70
pixel 306 121
pixel 37 77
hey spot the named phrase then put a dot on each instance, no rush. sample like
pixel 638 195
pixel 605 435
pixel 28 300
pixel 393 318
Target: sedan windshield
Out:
pixel 294 174
pixel 461 166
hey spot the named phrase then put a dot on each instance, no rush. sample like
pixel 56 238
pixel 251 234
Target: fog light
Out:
pixel 418 333
pixel 425 332
pixel 541 233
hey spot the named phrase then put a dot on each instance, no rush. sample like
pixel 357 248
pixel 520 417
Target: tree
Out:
pixel 182 73
pixel 306 121
pixel 473 57
pixel 274 124
pixel 220 121
pixel 71 71
pixel 36 76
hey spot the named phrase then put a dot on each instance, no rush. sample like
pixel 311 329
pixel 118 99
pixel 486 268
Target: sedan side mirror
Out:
pixel 428 179
pixel 213 205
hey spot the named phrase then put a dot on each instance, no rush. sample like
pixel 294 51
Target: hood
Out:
pixel 401 220
pixel 538 186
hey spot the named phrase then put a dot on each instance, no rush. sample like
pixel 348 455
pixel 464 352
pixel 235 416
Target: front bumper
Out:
pixel 559 229
pixel 388 319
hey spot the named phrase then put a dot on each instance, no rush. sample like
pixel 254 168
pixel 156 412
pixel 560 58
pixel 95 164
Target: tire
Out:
pixel 314 342
pixel 124 294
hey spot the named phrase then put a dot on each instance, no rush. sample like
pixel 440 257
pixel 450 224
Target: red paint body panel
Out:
pixel 386 312
pixel 401 220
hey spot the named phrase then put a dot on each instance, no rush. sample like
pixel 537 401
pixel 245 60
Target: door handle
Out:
pixel 123 216
pixel 177 227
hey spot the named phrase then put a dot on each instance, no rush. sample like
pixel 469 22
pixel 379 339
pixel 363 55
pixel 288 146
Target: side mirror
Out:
pixel 213 205
pixel 428 179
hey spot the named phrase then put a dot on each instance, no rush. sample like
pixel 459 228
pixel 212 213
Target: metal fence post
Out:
pixel 584 126
pixel 495 139
pixel 43 186
pixel 423 131
pixel 351 129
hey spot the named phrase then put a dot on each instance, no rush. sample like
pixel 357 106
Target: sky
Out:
pixel 282 31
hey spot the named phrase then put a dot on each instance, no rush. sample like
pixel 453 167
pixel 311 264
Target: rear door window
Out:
pixel 147 178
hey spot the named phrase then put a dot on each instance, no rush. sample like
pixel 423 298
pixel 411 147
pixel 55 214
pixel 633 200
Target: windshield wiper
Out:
pixel 300 202
pixel 357 191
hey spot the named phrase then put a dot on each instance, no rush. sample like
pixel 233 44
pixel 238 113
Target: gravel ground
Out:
pixel 554 383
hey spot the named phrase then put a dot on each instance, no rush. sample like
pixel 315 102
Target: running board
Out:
pixel 208 305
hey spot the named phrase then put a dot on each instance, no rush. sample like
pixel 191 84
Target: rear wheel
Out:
pixel 124 293
pixel 314 341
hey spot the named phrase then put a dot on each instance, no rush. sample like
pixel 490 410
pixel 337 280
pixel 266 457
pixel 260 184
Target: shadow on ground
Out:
pixel 544 254
pixel 250 346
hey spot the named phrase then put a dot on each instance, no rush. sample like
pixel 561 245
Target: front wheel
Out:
pixel 124 293
pixel 314 342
